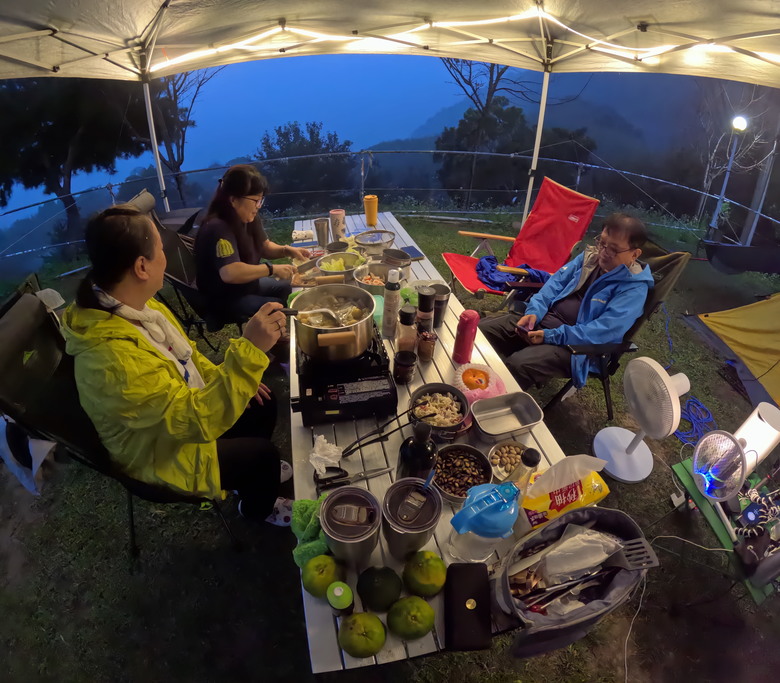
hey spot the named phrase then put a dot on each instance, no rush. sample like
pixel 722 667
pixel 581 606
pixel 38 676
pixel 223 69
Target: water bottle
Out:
pixel 464 337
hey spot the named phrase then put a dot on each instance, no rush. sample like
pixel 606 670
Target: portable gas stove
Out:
pixel 342 390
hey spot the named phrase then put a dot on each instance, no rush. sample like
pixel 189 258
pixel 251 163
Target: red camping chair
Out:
pixel 558 220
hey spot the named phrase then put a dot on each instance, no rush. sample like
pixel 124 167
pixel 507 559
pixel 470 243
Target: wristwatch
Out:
pixel 270 267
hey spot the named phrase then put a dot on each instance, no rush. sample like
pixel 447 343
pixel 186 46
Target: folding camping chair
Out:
pixel 558 221
pixel 193 309
pixel 38 391
pixel 666 269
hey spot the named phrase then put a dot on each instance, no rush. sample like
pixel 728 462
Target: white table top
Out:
pixel 321 625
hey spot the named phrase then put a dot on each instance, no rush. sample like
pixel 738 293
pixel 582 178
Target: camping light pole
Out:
pixel 155 150
pixel 739 124
pixel 537 143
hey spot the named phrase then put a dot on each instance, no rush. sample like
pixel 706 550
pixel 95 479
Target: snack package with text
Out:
pixel 571 483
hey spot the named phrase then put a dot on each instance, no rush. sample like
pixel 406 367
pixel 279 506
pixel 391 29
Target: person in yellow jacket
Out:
pixel 167 415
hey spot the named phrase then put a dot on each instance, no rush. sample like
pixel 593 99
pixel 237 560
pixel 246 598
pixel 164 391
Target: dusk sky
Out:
pixel 364 98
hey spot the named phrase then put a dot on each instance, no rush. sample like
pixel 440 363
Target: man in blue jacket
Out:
pixel 594 299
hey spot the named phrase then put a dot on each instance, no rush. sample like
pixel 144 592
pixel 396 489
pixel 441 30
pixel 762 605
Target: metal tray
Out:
pixel 503 415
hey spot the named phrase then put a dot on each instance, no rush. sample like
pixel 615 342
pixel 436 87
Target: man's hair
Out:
pixel 619 224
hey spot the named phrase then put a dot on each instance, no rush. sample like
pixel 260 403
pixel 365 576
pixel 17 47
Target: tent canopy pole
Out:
pixel 155 151
pixel 537 143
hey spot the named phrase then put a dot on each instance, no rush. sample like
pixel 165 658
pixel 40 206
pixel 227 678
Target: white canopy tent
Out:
pixel 144 39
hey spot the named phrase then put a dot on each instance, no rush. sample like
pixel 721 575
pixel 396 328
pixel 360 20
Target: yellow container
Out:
pixel 371 207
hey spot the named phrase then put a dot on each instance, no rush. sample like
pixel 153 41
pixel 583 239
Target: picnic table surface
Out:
pixel 321 624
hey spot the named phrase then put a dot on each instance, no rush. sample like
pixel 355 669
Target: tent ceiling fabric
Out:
pixel 732 39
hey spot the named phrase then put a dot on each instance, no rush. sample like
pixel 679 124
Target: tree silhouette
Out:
pixel 292 180
pixel 56 128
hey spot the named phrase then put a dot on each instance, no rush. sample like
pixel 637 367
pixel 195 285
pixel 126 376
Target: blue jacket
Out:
pixel 609 308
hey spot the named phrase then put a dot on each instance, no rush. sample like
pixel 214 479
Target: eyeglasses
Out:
pixel 258 202
pixel 610 251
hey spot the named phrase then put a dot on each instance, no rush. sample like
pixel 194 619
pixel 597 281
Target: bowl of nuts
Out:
pixel 458 468
pixel 504 457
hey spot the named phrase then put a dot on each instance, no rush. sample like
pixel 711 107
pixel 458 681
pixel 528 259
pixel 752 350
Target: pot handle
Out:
pixel 329 280
pixel 336 338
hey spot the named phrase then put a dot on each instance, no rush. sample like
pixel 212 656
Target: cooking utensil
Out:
pixel 374 242
pixel 479 456
pixel 323 311
pixel 635 554
pixel 350 260
pixel 335 343
pixel 499 472
pixel 340 477
pixel 442 433
pixel 500 416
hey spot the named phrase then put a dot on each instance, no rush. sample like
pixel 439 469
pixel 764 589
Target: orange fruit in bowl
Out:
pixel 474 378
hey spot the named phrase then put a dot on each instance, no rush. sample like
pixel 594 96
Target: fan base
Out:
pixel 630 468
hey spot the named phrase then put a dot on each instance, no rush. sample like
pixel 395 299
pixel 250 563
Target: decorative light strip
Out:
pixel 356 42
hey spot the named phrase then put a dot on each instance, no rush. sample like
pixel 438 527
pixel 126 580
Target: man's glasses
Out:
pixel 258 202
pixel 610 251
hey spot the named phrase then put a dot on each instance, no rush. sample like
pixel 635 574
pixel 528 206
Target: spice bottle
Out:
pixel 392 304
pixel 521 475
pixel 426 341
pixel 406 333
pixel 464 337
pixel 426 299
pixel 417 454
pixel 340 598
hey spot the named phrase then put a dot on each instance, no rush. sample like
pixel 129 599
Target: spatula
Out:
pixel 635 554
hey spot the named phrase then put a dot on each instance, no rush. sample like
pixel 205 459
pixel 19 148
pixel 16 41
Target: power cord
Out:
pixel 631 626
pixel 685 540
pixel 700 418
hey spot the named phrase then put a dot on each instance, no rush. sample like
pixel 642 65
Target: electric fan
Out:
pixel 653 398
pixel 722 461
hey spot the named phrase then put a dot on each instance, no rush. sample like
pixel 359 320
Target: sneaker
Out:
pixel 282 514
pixel 285 471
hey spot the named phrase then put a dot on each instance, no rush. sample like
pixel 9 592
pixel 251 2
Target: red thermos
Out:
pixel 464 337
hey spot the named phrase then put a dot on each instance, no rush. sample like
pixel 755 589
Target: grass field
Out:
pixel 194 610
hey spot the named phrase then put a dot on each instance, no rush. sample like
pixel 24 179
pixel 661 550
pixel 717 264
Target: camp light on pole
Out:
pixel 739 123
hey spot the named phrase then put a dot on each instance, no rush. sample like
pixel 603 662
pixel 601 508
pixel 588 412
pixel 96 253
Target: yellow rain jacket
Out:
pixel 155 427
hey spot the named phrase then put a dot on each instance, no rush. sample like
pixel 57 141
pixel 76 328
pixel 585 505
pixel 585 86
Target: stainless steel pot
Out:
pixel 350 518
pixel 335 343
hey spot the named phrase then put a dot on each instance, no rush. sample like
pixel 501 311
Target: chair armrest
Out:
pixel 486 236
pixel 525 285
pixel 602 349
pixel 512 269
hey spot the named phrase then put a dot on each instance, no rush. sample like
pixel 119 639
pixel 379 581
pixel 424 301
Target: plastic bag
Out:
pixel 570 483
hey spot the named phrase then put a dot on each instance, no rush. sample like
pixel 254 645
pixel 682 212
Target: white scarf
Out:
pixel 155 323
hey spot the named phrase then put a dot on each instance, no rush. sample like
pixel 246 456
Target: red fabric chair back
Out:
pixel 558 220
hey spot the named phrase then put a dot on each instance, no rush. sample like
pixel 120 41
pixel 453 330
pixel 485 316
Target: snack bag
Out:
pixel 570 483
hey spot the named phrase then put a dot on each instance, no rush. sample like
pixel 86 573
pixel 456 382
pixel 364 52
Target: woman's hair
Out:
pixel 617 224
pixel 241 180
pixel 115 238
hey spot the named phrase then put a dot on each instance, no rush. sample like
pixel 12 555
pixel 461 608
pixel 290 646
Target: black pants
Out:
pixel 529 363
pixel 269 289
pixel 249 462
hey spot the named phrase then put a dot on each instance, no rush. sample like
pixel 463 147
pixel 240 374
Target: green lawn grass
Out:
pixel 194 610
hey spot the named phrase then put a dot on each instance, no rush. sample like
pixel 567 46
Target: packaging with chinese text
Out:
pixel 570 483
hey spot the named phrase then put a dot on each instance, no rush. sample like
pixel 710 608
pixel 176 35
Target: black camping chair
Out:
pixel 29 285
pixel 666 269
pixel 193 309
pixel 38 391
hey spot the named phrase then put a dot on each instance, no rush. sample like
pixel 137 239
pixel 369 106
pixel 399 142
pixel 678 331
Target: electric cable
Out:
pixel 631 626
pixel 700 418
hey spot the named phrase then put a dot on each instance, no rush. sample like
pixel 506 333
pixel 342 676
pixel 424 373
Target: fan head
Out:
pixel 719 465
pixel 653 396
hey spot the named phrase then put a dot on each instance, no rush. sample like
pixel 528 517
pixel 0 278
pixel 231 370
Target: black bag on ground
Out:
pixel 540 633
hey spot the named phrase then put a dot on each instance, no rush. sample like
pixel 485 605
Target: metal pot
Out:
pixel 350 518
pixel 374 242
pixel 406 535
pixel 350 260
pixel 335 343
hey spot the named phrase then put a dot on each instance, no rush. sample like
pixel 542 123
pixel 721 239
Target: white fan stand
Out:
pixel 654 400
pixel 629 458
